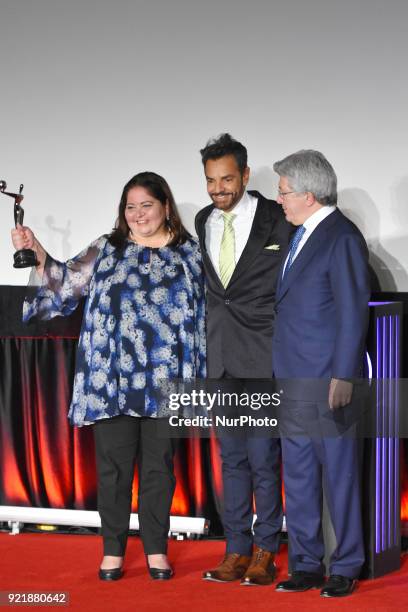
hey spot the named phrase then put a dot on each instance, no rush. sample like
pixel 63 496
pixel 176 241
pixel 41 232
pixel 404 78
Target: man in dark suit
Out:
pixel 321 324
pixel 242 237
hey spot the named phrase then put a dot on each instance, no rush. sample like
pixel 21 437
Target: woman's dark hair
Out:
pixel 158 189
pixel 223 145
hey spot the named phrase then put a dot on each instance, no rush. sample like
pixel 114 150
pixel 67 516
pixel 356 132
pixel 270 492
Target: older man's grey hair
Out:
pixel 309 170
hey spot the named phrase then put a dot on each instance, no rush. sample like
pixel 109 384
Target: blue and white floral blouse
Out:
pixel 143 324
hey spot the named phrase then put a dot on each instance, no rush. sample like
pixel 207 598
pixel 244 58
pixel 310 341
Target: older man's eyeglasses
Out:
pixel 282 194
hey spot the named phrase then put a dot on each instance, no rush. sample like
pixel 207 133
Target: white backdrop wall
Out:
pixel 94 91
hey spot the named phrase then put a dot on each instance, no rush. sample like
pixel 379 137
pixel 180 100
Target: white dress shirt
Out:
pixel 214 228
pixel 310 225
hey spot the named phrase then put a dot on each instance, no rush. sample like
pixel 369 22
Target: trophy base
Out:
pixel 25 258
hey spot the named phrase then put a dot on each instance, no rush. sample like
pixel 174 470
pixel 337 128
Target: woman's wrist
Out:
pixel 41 255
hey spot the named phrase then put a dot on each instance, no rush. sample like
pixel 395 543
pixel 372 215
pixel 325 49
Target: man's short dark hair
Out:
pixel 223 145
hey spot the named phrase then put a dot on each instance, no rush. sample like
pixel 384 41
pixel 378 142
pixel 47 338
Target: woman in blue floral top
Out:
pixel 143 324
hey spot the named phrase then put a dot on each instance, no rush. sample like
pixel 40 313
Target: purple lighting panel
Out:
pixel 387 444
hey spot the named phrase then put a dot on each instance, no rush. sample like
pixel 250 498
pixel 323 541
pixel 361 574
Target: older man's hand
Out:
pixel 340 392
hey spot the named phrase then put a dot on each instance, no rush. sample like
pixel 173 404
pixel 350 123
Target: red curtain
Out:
pixel 47 463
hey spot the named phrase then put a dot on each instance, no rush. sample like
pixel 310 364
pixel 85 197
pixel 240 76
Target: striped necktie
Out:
pixel 294 243
pixel 227 249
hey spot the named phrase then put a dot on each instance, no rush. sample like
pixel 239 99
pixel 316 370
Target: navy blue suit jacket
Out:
pixel 322 305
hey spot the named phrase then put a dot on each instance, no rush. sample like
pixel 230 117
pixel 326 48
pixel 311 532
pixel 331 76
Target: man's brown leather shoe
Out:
pixel 262 569
pixel 232 567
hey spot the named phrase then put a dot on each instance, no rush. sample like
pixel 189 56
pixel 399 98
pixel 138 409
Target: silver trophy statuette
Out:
pixel 24 258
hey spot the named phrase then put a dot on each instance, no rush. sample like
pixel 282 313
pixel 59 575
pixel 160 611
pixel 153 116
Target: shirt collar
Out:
pixel 242 209
pixel 313 221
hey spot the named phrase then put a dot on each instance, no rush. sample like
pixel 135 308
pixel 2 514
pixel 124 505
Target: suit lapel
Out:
pixel 260 230
pixel 316 240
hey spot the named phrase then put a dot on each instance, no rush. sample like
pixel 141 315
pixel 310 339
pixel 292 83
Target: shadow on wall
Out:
pixel 388 274
pixel 399 214
pixel 55 240
pixel 63 232
pixel 188 212
pixel 264 180
pixel 399 202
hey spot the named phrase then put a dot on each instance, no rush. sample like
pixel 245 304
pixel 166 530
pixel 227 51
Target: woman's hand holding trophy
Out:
pixel 29 252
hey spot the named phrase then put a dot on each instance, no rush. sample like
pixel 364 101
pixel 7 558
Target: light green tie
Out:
pixel 227 250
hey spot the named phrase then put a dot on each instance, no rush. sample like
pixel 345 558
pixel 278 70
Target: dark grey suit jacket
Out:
pixel 240 318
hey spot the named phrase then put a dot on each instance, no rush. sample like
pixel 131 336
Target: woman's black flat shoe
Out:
pixel 160 574
pixel 111 574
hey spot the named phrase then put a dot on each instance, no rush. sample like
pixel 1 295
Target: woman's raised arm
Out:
pixel 23 238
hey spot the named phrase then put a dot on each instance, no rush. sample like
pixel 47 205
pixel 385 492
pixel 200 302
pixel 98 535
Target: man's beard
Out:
pixel 231 198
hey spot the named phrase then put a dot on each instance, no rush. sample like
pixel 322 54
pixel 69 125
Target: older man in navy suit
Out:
pixel 318 345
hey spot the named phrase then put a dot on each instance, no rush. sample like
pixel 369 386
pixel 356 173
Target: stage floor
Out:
pixel 68 563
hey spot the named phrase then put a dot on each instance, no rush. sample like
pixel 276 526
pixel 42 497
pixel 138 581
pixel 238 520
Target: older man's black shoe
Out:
pixel 301 581
pixel 111 574
pixel 338 586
